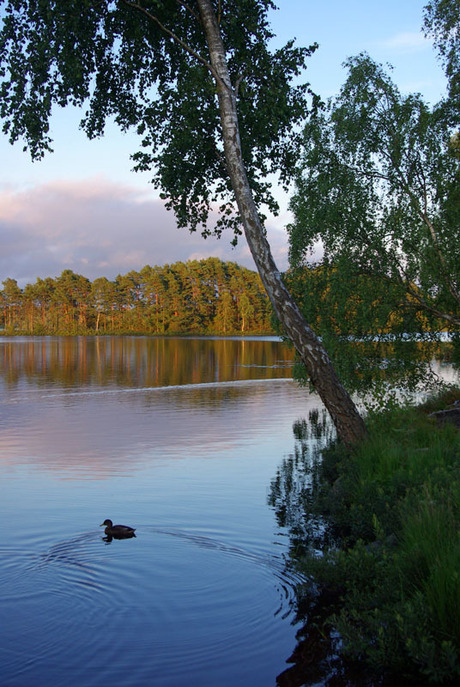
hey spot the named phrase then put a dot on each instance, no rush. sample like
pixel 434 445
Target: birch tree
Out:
pixel 379 185
pixel 215 108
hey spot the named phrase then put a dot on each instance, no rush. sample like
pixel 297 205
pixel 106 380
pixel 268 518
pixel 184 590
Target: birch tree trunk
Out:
pixel 348 422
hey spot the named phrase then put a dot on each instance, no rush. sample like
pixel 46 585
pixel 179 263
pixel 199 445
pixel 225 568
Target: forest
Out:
pixel 196 297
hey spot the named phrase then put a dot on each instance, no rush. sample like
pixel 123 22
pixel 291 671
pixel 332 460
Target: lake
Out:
pixel 179 438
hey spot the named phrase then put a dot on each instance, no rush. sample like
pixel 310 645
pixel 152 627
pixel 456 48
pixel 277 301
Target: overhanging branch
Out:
pixel 139 8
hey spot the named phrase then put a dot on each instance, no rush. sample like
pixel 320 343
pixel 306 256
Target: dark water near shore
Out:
pixel 179 438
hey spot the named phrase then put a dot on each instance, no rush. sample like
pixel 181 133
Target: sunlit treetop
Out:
pixel 145 65
pixel 379 185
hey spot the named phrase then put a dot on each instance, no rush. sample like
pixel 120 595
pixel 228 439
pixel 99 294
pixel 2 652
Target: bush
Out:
pixel 394 508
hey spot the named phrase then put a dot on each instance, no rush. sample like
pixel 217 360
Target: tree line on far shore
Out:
pixel 198 296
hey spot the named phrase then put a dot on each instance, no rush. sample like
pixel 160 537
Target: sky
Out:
pixel 83 208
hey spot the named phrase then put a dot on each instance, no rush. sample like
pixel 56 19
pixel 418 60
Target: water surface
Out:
pixel 179 438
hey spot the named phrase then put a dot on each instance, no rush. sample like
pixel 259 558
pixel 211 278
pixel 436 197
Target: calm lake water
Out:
pixel 179 438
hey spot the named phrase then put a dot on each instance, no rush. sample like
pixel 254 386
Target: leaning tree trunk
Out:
pixel 348 422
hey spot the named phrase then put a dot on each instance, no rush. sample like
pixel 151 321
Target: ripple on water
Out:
pixel 165 605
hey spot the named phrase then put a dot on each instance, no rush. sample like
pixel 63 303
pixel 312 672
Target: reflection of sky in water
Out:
pixel 190 466
pixel 67 403
pixel 193 451
pixel 63 431
pixel 200 455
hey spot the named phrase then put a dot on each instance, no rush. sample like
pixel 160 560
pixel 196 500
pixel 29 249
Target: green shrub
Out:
pixel 394 508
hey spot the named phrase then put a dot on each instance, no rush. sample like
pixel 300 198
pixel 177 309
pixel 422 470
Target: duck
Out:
pixel 117 531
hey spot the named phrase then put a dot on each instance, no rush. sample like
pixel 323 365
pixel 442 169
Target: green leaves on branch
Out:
pixel 379 187
pixel 442 24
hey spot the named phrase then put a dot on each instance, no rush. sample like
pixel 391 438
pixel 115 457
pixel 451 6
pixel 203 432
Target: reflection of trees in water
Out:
pixel 371 366
pixel 294 491
pixel 140 361
pixel 297 480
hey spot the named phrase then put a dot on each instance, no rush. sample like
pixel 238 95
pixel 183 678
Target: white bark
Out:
pixel 349 424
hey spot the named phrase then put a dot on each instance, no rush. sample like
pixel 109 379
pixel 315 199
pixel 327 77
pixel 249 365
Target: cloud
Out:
pixel 96 227
pixel 409 41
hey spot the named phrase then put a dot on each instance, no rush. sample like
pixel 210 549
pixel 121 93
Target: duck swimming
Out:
pixel 117 531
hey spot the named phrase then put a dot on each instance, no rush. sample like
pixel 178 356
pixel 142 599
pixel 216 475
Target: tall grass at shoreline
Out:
pixel 392 509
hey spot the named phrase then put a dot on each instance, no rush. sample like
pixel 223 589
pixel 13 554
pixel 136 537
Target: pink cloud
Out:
pixel 101 228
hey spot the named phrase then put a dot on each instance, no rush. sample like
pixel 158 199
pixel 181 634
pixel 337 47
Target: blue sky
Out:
pixel 82 208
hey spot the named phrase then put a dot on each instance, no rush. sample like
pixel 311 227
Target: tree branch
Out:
pixel 423 215
pixel 430 308
pixel 136 6
pixel 189 9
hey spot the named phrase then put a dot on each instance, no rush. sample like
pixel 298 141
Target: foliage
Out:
pixel 145 64
pixel 377 341
pixel 205 296
pixel 390 515
pixel 379 185
pixel 442 23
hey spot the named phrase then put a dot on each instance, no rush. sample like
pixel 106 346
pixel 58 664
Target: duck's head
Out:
pixel 106 523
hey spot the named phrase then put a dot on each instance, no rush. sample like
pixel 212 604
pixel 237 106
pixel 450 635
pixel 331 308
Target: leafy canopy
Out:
pixel 379 185
pixel 442 23
pixel 145 64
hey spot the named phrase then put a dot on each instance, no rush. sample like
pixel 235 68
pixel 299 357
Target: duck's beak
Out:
pixel 102 524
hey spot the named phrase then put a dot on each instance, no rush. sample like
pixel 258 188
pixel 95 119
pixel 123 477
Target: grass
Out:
pixel 393 506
